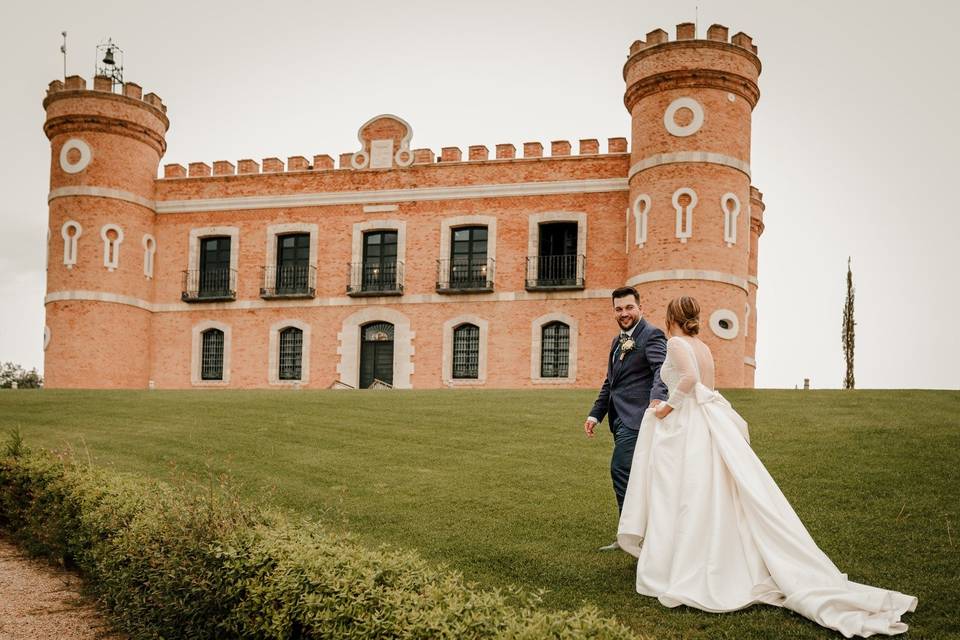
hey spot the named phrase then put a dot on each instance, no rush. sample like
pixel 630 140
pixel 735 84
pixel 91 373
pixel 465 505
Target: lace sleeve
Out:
pixel 681 358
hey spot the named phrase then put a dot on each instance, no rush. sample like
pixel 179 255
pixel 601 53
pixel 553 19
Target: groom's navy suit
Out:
pixel 631 383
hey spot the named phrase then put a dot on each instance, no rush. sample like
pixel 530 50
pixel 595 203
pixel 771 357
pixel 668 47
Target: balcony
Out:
pixel 288 281
pixel 375 279
pixel 209 285
pixel 555 273
pixel 461 275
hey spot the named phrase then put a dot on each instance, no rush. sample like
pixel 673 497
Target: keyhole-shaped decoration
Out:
pixel 730 204
pixel 71 232
pixel 746 319
pixel 641 207
pixel 149 248
pixel 684 200
pixel 112 236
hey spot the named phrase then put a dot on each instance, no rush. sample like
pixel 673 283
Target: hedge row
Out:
pixel 169 564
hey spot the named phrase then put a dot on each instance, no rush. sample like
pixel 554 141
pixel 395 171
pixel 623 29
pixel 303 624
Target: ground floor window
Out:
pixel 211 355
pixel 466 351
pixel 291 354
pixel 555 351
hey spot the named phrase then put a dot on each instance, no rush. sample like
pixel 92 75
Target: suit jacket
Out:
pixel 633 381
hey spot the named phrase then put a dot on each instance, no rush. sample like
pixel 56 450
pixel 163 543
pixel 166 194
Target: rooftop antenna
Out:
pixel 63 50
pixel 696 20
pixel 109 62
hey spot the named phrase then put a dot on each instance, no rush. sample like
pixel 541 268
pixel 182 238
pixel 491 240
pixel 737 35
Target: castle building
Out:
pixel 395 266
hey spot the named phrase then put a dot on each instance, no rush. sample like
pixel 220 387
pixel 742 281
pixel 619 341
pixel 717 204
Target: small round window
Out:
pixel 724 324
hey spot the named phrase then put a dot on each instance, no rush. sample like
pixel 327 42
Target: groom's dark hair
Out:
pixel 623 292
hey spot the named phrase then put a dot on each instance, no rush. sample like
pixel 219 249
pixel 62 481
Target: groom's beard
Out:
pixel 632 323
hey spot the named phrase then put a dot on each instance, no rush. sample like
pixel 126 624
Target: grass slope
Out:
pixel 503 486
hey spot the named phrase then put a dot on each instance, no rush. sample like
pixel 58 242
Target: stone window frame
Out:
pixel 273 357
pixel 70 242
pixel 276 230
pixel 449 224
pixel 641 219
pixel 534 220
pixel 196 357
pixel 447 351
pixel 199 233
pixel 111 248
pixel 730 217
pixel 391 224
pixel 348 368
pixel 536 347
pixel 149 252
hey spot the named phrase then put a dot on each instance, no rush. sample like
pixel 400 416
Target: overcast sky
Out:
pixel 855 138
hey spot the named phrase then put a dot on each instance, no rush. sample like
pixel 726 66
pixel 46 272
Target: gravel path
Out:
pixel 38 601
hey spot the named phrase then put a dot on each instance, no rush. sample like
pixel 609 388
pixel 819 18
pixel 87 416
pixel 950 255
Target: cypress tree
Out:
pixel 848 330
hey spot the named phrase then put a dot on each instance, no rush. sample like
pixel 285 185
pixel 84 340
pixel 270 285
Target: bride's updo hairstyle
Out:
pixel 684 312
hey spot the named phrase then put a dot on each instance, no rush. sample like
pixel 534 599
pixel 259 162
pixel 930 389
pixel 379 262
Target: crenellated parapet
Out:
pixel 385 144
pixel 657 63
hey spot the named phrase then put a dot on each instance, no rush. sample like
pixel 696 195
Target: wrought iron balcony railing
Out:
pixel 289 281
pixel 462 275
pixel 375 279
pixel 209 285
pixel 555 272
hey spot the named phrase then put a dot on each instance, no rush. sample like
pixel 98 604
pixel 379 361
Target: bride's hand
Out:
pixel 663 410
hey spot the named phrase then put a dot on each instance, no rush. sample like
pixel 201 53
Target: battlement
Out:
pixel 687 31
pixel 448 155
pixel 103 84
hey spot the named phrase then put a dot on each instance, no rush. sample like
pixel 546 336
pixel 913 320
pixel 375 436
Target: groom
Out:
pixel 632 384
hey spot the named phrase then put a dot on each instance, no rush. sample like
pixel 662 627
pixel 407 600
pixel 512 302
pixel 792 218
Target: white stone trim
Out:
pixel 348 369
pixel 47 334
pixel 243 203
pixel 684 215
pixel 111 248
pixel 683 157
pixel 196 357
pixel 100 192
pixel 273 358
pixel 86 155
pixel 275 230
pixel 338 301
pixel 641 216
pixel 149 250
pixel 730 215
pixel 747 360
pixel 688 274
pixel 490 222
pixel 724 314
pixel 198 233
pixel 534 220
pixel 536 346
pixel 360 228
pixel 753 280
pixel 686 130
pixel 447 352
pixel 100 296
pixel 746 319
pixel 379 208
pixel 403 156
pixel 70 242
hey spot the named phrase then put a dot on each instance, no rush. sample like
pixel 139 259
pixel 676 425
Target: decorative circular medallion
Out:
pixel 403 157
pixel 682 131
pixel 359 160
pixel 724 324
pixel 731 97
pixel 80 163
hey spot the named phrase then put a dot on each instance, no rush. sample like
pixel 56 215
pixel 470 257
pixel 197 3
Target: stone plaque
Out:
pixel 381 154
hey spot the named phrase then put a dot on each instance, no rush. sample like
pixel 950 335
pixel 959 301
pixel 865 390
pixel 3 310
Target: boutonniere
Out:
pixel 626 347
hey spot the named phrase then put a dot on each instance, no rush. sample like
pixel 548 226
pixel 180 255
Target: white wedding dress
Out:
pixel 711 529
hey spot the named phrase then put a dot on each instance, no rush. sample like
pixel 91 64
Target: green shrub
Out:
pixel 170 563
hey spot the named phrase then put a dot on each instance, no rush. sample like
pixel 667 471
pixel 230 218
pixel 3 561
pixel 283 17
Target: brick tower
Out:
pixel 105 148
pixel 690 229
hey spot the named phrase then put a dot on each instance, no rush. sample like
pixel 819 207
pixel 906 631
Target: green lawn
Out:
pixel 503 485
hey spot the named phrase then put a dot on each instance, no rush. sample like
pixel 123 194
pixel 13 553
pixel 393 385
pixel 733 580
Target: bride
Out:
pixel 709 526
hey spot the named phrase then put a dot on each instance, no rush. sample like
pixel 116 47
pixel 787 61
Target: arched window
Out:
pixel 555 350
pixel 71 232
pixel 149 249
pixel 291 354
pixel 466 351
pixel 112 237
pixel 211 355
pixel 684 200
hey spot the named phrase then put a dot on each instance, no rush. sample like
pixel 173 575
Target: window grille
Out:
pixel 555 351
pixel 211 357
pixel 466 351
pixel 291 354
